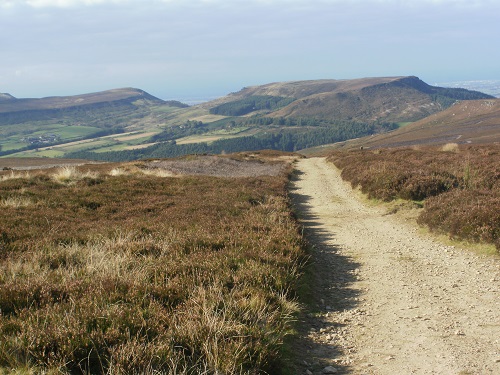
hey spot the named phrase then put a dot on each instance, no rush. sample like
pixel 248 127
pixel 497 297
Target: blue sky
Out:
pixel 177 49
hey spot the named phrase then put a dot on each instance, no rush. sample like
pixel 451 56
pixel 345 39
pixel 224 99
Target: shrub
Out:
pixel 472 215
pixel 460 188
pixel 139 274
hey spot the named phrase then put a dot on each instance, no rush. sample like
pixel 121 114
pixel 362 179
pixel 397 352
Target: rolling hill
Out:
pixel 13 110
pixel 396 99
pixel 466 122
pixel 125 124
pixel 28 124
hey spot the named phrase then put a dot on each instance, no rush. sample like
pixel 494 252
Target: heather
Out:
pixel 459 186
pixel 120 269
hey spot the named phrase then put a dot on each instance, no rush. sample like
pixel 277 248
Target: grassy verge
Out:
pixel 106 269
pixel 460 186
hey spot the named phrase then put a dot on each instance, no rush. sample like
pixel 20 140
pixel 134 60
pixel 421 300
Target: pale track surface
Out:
pixel 388 299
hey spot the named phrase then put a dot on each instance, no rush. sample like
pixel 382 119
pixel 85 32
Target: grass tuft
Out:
pixel 16 202
pixel 14 175
pixel 69 175
pixel 118 172
pixel 451 147
pixel 139 274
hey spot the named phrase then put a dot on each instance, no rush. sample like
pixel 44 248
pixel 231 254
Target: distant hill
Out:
pixel 28 125
pixel 4 97
pixel 467 122
pixel 488 86
pixel 127 124
pixel 389 99
pixel 13 110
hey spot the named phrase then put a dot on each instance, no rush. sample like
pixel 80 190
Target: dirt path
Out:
pixel 388 300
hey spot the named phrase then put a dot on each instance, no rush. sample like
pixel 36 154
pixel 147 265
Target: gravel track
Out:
pixel 388 299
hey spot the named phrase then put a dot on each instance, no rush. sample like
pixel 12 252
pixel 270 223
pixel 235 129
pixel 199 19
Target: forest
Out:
pixel 251 104
pixel 284 140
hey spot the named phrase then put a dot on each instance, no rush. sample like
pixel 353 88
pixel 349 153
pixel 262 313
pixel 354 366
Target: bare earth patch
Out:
pixel 218 167
pixel 387 299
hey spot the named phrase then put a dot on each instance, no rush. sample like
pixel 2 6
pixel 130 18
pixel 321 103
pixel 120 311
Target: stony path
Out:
pixel 388 300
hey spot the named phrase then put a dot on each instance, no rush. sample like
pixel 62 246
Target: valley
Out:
pixel 286 116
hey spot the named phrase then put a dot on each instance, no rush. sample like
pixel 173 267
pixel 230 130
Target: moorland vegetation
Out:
pixel 458 186
pixel 124 269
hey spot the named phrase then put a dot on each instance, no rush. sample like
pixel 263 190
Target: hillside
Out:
pixel 28 124
pixel 397 99
pixel 120 269
pixel 287 116
pixel 109 97
pixel 84 108
pixel 466 122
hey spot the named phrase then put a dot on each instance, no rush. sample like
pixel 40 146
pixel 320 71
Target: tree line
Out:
pixel 250 104
pixel 285 140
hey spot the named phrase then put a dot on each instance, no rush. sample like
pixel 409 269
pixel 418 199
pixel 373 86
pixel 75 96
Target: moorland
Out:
pixel 133 263
pixel 135 268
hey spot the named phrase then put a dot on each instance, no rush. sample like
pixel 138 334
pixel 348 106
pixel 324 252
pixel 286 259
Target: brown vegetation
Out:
pixel 105 269
pixel 460 189
pixel 37 163
pixel 245 165
pixel 385 99
pixel 466 122
pixel 57 102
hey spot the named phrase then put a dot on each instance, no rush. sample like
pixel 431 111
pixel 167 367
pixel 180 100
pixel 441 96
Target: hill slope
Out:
pixel 398 99
pixel 476 121
pixel 287 116
pixel 27 124
pixel 78 107
pixel 125 95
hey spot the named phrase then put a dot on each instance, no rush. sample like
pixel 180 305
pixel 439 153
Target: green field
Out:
pixel 64 133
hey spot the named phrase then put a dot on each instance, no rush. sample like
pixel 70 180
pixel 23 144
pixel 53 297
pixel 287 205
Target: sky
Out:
pixel 188 49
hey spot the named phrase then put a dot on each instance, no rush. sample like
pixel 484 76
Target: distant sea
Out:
pixel 491 87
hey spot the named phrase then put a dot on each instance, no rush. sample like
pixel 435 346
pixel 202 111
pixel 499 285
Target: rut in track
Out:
pixel 387 299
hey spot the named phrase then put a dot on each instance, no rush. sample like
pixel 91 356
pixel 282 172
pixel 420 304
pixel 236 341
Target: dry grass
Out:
pixel 240 165
pixel 136 274
pixel 461 189
pixel 70 175
pixel 16 202
pixel 450 147
pixel 11 175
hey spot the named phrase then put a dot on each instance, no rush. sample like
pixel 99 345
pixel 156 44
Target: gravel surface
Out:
pixel 388 299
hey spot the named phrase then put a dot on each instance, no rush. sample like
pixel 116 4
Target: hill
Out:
pixel 13 110
pixel 28 123
pixel 397 99
pixel 125 95
pixel 287 116
pixel 467 122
